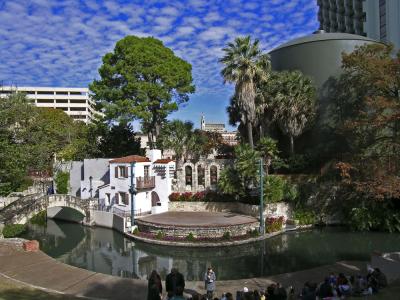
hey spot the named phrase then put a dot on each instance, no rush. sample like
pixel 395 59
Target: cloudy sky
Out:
pixel 61 42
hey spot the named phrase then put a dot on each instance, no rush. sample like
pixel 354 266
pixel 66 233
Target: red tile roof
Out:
pixel 163 161
pixel 130 159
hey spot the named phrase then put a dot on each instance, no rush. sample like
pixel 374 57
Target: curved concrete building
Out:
pixel 318 55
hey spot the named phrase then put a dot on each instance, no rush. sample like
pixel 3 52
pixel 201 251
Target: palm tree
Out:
pixel 245 66
pixel 268 149
pixel 178 136
pixel 294 104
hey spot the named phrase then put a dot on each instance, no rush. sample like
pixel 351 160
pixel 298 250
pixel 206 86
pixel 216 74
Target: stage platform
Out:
pixel 200 224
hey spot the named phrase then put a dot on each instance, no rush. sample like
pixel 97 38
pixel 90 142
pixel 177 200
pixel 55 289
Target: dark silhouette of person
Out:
pixel 154 286
pixel 173 281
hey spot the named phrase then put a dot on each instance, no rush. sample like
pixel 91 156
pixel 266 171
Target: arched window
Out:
pixel 213 175
pixel 188 175
pixel 200 175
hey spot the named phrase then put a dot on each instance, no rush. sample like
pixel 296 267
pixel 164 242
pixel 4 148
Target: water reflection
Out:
pixel 107 251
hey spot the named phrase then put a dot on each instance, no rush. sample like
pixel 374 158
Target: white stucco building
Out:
pixel 75 102
pixel 152 181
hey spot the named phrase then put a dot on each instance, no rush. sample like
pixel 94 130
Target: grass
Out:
pixel 12 290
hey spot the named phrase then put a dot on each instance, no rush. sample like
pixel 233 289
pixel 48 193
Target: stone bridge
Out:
pixel 20 211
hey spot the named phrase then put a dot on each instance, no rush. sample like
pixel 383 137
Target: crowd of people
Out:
pixel 333 287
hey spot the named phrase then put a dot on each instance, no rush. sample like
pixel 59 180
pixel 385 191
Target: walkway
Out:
pixel 38 270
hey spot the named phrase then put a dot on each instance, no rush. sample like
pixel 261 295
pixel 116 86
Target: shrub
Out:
pixel 62 182
pixel 39 219
pixel 13 230
pixel 190 237
pixel 274 187
pixel 160 235
pixel 254 233
pixel 136 230
pixel 174 197
pixel 274 224
pixel 227 235
pixel 305 217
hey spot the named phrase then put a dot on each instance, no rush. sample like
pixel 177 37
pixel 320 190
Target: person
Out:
pixel 178 293
pixel 292 295
pixel 343 285
pixel 325 289
pixel 209 281
pixel 257 295
pixel 380 278
pixel 173 281
pixel 154 286
pixel 280 292
pixel 229 296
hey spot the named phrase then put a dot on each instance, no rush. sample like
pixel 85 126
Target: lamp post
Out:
pixel 262 226
pixel 132 191
pixel 91 186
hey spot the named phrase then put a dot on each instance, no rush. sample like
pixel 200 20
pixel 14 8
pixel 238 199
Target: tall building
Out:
pixel 228 137
pixel 376 19
pixel 75 102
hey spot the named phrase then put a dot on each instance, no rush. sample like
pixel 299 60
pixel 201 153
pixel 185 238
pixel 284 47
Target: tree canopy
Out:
pixel 142 79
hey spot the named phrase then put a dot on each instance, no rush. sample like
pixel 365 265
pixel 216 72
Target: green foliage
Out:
pixel 142 79
pixel 136 230
pixel 190 237
pixel 254 233
pixel 39 219
pixel 226 235
pixel 274 188
pixel 13 230
pixel 160 235
pixel 245 65
pixel 305 217
pixel 62 182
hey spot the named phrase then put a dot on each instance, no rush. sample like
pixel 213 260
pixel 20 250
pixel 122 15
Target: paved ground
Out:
pixel 38 270
pixel 195 219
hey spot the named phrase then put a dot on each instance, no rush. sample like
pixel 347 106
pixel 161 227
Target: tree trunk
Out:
pixel 291 145
pixel 250 134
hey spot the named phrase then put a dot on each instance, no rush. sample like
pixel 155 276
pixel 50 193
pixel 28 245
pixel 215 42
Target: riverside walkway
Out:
pixel 37 270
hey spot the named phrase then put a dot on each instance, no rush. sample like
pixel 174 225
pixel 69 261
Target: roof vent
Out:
pixel 319 31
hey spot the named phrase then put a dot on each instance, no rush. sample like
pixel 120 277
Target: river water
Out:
pixel 107 251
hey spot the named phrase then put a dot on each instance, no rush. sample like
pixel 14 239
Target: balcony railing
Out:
pixel 145 182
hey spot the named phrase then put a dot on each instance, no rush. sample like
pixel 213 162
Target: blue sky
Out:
pixel 61 42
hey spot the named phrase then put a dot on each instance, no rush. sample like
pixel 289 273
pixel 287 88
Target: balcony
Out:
pixel 145 182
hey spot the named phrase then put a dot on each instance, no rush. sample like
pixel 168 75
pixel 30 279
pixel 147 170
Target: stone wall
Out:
pixel 108 220
pixel 271 209
pixel 207 232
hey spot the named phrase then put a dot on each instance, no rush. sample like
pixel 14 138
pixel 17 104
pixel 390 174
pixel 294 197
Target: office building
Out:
pixel 75 102
pixel 376 19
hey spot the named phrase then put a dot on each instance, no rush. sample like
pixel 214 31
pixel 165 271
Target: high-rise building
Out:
pixel 75 102
pixel 376 19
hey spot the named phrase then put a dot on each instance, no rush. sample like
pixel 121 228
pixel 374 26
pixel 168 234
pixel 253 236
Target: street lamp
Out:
pixel 262 226
pixel 90 186
pixel 132 191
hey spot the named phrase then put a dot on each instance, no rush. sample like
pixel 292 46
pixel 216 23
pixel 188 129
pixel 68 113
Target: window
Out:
pixel 77 93
pixel 124 198
pixel 146 171
pixel 117 198
pixel 77 109
pixel 78 101
pixel 122 172
pixel 213 175
pixel 61 101
pixel 63 108
pixel 188 175
pixel 45 101
pixel 200 175
pixel 62 93
pixel 45 93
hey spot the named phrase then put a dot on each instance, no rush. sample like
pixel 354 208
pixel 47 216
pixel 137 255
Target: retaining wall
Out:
pixel 108 220
pixel 271 209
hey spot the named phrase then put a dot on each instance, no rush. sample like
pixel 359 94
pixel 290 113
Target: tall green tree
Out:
pixel 142 79
pixel 245 65
pixel 294 103
pixel 268 149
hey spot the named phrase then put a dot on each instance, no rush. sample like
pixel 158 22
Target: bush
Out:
pixel 205 196
pixel 254 233
pixel 13 230
pixel 160 235
pixel 136 230
pixel 190 237
pixel 62 182
pixel 39 219
pixel 227 235
pixel 274 224
pixel 305 217
pixel 274 187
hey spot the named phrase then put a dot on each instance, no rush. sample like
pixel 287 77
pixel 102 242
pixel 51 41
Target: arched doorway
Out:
pixel 154 199
pixel 213 176
pixel 188 176
pixel 200 176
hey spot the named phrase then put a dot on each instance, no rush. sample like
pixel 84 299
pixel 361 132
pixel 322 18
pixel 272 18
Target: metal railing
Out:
pixel 145 182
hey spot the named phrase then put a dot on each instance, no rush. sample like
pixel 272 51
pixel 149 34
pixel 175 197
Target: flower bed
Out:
pixel 274 224
pixel 205 196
